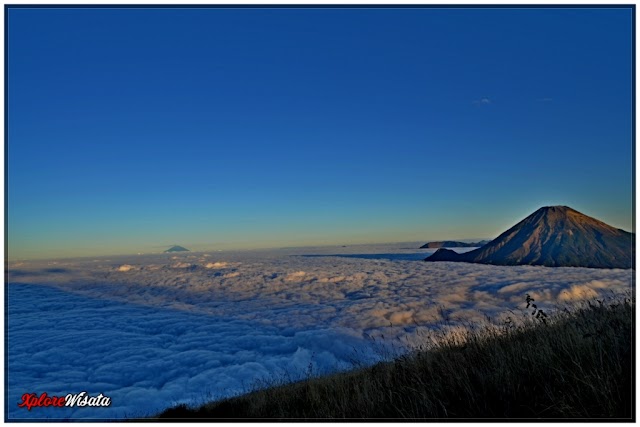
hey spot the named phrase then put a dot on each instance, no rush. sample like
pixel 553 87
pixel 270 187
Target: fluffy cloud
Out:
pixel 294 277
pixel 231 275
pixel 182 265
pixel 217 264
pixel 148 358
pixel 158 335
pixel 482 101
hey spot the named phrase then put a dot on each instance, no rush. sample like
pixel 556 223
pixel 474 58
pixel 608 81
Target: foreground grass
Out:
pixel 574 364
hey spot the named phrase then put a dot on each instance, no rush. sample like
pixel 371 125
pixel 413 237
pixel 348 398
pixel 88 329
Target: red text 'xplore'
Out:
pixel 32 400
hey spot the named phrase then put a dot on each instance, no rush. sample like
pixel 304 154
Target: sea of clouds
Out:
pixel 152 331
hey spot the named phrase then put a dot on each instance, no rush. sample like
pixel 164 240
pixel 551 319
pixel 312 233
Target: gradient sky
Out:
pixel 134 129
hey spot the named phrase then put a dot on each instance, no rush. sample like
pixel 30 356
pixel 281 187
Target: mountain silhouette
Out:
pixel 453 244
pixel 554 236
pixel 177 248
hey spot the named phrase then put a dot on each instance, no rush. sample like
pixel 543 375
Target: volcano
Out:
pixel 177 248
pixel 554 236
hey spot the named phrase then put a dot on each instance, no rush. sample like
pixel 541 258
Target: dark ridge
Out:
pixel 453 244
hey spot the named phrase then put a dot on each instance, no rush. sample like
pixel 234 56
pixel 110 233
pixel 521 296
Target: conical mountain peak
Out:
pixel 554 236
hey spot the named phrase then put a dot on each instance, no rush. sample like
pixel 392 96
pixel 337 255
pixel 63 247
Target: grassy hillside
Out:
pixel 574 364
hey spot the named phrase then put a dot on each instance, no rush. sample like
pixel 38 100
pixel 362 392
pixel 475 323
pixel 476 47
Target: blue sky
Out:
pixel 133 129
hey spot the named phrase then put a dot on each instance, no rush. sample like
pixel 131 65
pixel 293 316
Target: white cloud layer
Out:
pixel 155 330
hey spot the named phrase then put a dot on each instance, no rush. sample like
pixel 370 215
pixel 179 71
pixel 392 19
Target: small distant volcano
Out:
pixel 177 248
pixel 553 236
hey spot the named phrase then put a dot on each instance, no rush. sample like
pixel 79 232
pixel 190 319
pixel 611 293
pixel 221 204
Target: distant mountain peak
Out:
pixel 554 236
pixel 177 248
pixel 453 244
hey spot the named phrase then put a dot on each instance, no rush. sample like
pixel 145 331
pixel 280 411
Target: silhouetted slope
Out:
pixel 554 236
pixel 533 369
pixel 452 244
pixel 177 248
